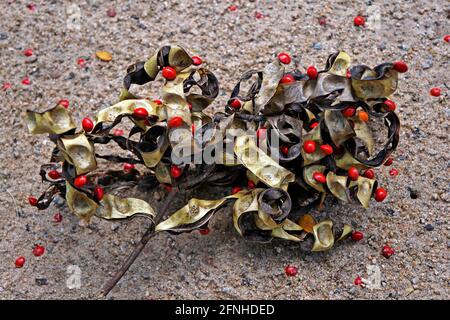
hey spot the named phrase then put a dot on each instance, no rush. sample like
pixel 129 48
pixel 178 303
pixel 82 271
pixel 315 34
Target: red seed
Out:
pixel 232 8
pixel 287 79
pixel 447 38
pixel 261 133
pixel 357 236
pixel 236 189
pixel 358 281
pixel 369 174
pixel 32 7
pixel 387 251
pixel 196 60
pixel 380 194
pixel 313 125
pixel 284 58
pixel 54 174
pixel 327 149
pixel 20 261
pixel 349 112
pixel 400 66
pixel 322 21
pixel 169 73
pixel 87 124
pixel 111 12
pixel 32 201
pixel 309 146
pixel 118 132
pixel 190 106
pixel 175 122
pixel 193 129
pixel 359 21
pixel 28 52
pixel 390 105
pixel 99 192
pixel 127 167
pixel 64 103
pixel 259 15
pixel 204 231
pixel 26 81
pixel 312 72
pixel 81 62
pixel 235 104
pixel 393 172
pixel 140 113
pixel 435 92
pixel 251 184
pixel 158 102
pixel 80 181
pixel 38 250
pixel 348 74
pixel 175 171
pixel 6 85
pixel 284 150
pixel 168 187
pixel 388 162
pixel 353 173
pixel 57 217
pixel 291 271
pixel 319 177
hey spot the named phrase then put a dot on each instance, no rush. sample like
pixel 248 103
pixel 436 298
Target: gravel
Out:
pixel 221 265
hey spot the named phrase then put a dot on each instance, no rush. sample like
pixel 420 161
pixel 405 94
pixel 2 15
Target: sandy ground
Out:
pixel 414 218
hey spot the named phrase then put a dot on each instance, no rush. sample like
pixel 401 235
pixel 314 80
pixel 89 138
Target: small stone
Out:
pixel 114 227
pixel 429 227
pixel 403 47
pixel 317 45
pixel 3 36
pixel 41 281
pixel 428 63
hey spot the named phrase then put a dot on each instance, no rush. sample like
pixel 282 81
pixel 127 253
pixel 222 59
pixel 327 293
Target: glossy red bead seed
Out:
pixel 32 201
pixel 235 104
pixel 140 113
pixel 284 58
pixel 322 21
pixel 26 81
pixel 87 124
pixel 251 184
pixel 193 129
pixel 284 150
pixel 261 133
pixel 291 271
pixel 358 281
pixel 391 106
pixel 400 66
pixel 435 92
pixel 287 79
pixel 319 177
pixel 111 12
pixel 28 52
pixel 369 174
pixel 32 7
pixel 353 173
pixel 6 86
pixel 259 15
pixel 204 231
pixel 169 73
pixel 175 172
pixel 158 102
pixel 312 72
pixel 99 192
pixel 359 21
pixel 128 167
pixel 81 62
pixel 80 181
pixel 357 236
pixel 175 122
pixel 57 217
pixel 348 74
pixel 380 194
pixel 118 132
pixel 387 251
pixel 313 125
pixel 447 38
pixel 236 189
pixel 196 60
pixel 20 261
pixel 327 149
pixel 38 250
pixel 64 103
pixel 309 146
pixel 388 162
pixel 349 112
pixel 393 172
pixel 232 8
pixel 54 174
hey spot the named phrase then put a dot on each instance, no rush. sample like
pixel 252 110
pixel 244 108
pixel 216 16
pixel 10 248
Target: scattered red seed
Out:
pixel 251 184
pixel 111 12
pixel 313 125
pixel 204 231
pixel 57 217
pixel 393 172
pixel 322 21
pixel 236 189
pixel 232 8
pixel 388 162
pixel 235 104
pixel 33 201
pixel 54 174
pixel 118 132
pixel 99 192
pixel 80 181
pixel 387 251
pixel 287 79
pixel 168 187
pixel 259 15
pixel 357 236
pixel 312 72
pixel 190 106
pixel 32 7
pixel 169 73
pixel 20 261
pixel 28 52
pixel 175 171
pixel 319 177
pixel 38 250
pixel 261 133
pixel 193 129
pixel 26 81
pixel 391 106
pixel 435 92
pixel 284 58
pixel 309 146
pixel 291 271
pixel 284 150
pixel 158 102
pixel 140 113
pixel 447 38
pixel 400 66
pixel 196 60
pixel 81 62
pixel 87 124
pixel 6 85
pixel 358 281
pixel 359 21
pixel 327 149
pixel 127 167
pixel 175 122
pixel 349 112
pixel 353 173
pixel 348 74
pixel 64 103
pixel 380 194
pixel 369 174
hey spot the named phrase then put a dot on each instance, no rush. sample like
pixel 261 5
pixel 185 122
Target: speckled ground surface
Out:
pixel 413 219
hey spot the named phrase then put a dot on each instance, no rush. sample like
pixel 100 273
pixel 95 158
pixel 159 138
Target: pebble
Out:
pixel 428 63
pixel 317 45
pixel 429 227
pixel 41 281
pixel 3 36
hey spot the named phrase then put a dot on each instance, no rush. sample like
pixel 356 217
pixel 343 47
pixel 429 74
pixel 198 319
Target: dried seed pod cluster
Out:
pixel 295 139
